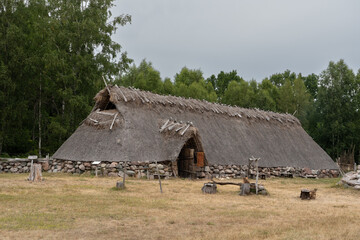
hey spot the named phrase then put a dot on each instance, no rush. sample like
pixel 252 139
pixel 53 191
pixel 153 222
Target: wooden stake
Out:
pixel 157 170
pixel 124 170
pixel 257 175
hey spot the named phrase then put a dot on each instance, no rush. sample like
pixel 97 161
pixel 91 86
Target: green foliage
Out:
pixel 191 83
pixel 336 119
pixel 52 57
pixel 168 87
pixel 221 82
pixel 54 53
pixel 279 79
pixel 144 77
pixel 238 94
pixel 188 76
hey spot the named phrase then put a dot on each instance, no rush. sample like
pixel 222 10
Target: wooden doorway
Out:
pixel 191 159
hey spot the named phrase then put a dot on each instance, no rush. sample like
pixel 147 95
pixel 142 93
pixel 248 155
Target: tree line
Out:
pixel 326 104
pixel 54 53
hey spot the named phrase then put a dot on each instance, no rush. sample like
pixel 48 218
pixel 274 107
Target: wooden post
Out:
pixel 257 175
pixel 31 177
pixel 245 189
pixel 120 185
pixel 35 172
pixel 256 165
pixel 124 176
pixel 157 170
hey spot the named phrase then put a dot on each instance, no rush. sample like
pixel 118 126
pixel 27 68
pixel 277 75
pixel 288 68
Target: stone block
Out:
pixel 130 173
pixel 82 167
pixel 113 165
pixel 69 166
pixel 112 174
pixel 45 166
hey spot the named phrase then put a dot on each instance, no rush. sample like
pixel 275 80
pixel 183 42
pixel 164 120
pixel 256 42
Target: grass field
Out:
pixel 77 207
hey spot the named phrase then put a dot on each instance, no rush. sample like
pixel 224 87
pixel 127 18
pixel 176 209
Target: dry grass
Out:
pixel 73 207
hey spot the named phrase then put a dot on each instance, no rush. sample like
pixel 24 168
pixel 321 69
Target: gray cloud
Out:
pixel 256 38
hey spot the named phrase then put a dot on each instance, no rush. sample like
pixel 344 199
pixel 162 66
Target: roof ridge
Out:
pixel 131 94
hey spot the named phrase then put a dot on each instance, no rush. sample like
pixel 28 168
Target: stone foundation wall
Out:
pixel 148 170
pixel 237 171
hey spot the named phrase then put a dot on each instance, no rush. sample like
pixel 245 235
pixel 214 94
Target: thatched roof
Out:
pixel 147 127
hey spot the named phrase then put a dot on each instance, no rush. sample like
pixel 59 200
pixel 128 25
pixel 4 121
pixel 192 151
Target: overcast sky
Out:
pixel 255 37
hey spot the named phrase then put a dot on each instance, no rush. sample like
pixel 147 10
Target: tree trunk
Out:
pixel 1 142
pixel 40 121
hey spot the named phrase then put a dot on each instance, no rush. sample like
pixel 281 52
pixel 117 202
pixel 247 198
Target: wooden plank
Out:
pixel 112 124
pixel 200 156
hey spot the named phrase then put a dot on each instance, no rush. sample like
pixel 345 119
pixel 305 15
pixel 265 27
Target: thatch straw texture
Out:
pixel 229 135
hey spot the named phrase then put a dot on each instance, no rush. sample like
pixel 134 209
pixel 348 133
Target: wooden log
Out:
pixel 182 132
pixel 122 94
pixel 164 126
pixel 181 127
pixel 95 121
pixel 104 113
pixel 112 124
pixel 226 183
pixel 174 125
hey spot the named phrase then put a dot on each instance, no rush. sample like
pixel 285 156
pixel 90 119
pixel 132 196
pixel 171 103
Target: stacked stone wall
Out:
pixel 148 169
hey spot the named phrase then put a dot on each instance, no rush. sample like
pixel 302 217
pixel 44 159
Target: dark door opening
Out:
pixel 190 160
